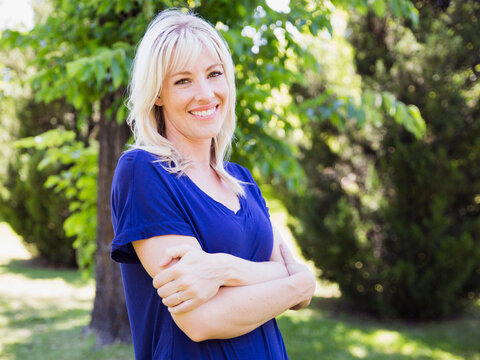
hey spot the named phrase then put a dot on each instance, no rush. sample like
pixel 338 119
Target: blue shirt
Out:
pixel 148 201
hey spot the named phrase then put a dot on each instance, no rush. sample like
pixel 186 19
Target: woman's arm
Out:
pixel 229 311
pixel 235 311
pixel 282 253
pixel 186 276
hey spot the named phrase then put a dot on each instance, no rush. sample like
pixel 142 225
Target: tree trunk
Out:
pixel 109 316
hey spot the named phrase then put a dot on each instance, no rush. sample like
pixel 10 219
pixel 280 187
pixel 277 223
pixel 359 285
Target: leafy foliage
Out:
pixel 84 53
pixel 77 182
pixel 393 218
pixel 90 55
pixel 32 210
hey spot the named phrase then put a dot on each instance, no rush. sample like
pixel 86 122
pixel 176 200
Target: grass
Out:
pixel 322 332
pixel 43 313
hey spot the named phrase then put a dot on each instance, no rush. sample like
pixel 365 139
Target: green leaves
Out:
pixel 103 67
pixel 379 7
pixel 373 108
pixel 78 181
pixel 398 8
pixel 408 116
pixel 48 139
pixel 85 51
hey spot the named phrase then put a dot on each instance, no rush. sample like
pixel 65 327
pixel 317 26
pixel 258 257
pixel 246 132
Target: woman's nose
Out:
pixel 204 91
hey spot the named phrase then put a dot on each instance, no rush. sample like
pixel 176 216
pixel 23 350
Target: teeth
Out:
pixel 204 113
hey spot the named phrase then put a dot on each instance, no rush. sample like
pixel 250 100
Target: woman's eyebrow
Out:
pixel 214 65
pixel 189 73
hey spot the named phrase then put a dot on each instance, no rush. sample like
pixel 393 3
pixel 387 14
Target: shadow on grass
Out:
pixel 34 270
pixel 49 313
pixel 72 343
pixel 46 330
pixel 329 329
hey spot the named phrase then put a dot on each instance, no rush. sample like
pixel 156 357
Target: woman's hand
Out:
pixel 188 279
pixel 305 276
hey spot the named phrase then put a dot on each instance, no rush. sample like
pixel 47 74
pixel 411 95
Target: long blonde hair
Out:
pixel 171 40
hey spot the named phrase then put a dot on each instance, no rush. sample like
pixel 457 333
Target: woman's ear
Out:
pixel 159 101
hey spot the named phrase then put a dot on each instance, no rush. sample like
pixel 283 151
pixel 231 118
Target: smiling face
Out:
pixel 194 100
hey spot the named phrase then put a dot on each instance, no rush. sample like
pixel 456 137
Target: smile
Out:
pixel 205 113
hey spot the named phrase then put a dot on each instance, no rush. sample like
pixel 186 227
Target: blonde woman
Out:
pixel 194 223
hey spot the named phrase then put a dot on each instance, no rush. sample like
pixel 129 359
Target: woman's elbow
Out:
pixel 195 329
pixel 199 334
pixel 196 336
pixel 205 331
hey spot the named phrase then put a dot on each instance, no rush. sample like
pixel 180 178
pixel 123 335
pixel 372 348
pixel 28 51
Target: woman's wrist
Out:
pixel 235 271
pixel 304 284
pixel 225 268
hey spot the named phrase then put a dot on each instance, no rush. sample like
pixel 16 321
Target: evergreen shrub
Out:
pixel 394 219
pixel 35 212
pixel 397 227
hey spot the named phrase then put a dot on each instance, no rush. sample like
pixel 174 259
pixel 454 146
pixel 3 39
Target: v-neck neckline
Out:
pixel 216 202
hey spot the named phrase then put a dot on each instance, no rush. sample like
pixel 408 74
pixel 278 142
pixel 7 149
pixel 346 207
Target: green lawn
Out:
pixel 43 313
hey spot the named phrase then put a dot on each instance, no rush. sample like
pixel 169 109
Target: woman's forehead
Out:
pixel 188 59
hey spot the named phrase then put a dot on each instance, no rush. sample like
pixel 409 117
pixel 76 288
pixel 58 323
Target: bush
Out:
pixel 33 211
pixel 397 228
pixel 36 213
pixel 75 181
pixel 393 219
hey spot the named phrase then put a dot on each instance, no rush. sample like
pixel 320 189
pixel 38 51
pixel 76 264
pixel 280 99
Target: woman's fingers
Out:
pixel 177 303
pixel 286 255
pixel 168 289
pixel 292 265
pixel 171 256
pixel 164 277
pixel 177 252
pixel 174 252
pixel 175 299
pixel 185 306
pixel 193 275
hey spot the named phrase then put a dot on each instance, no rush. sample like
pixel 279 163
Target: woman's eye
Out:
pixel 181 82
pixel 215 73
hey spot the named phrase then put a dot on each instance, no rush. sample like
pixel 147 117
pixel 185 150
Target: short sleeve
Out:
pixel 144 204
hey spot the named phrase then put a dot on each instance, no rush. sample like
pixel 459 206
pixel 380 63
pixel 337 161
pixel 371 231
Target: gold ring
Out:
pixel 178 297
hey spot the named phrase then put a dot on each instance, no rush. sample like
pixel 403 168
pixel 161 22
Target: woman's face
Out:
pixel 194 100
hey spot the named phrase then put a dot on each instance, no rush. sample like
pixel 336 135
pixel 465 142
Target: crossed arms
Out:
pixel 220 296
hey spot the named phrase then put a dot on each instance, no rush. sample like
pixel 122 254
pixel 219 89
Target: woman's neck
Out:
pixel 199 152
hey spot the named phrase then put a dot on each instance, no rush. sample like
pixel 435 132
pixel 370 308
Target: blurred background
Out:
pixel 360 119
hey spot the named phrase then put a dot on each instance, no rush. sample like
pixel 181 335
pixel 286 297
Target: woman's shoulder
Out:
pixel 238 171
pixel 139 162
pixel 137 155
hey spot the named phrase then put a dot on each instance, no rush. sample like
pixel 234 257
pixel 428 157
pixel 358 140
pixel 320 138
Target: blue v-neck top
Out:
pixel 148 201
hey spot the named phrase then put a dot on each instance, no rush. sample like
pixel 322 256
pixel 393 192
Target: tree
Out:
pixel 393 218
pixel 85 52
pixel 33 211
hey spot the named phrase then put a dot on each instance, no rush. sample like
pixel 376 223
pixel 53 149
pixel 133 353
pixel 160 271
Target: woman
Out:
pixel 195 224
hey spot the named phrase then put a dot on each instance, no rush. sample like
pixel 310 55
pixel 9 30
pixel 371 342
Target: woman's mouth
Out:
pixel 205 113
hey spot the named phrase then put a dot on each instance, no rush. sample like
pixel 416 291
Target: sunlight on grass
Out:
pixel 358 351
pixel 315 331
pixel 43 311
pixel 12 248
pixel 392 342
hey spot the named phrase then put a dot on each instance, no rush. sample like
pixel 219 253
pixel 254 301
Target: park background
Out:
pixel 358 118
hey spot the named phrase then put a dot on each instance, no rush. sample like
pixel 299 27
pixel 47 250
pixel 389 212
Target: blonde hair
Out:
pixel 172 39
